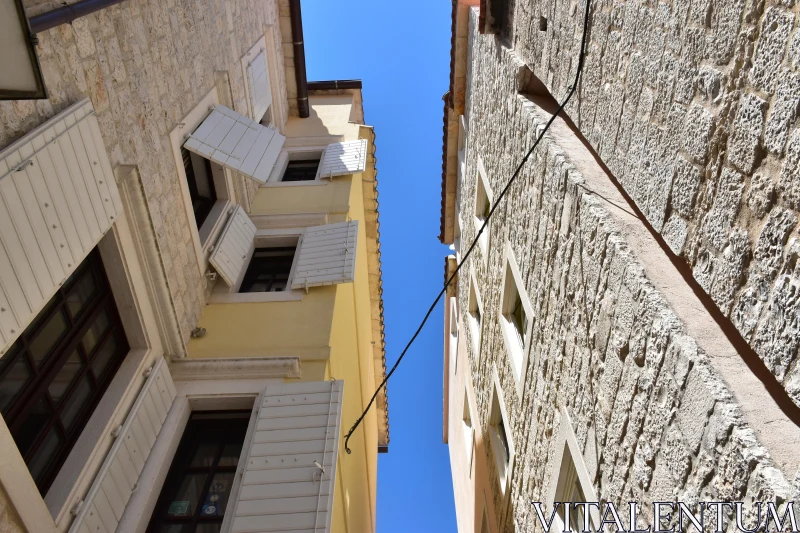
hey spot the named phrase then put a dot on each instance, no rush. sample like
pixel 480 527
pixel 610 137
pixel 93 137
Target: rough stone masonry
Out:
pixel 693 105
pixel 684 104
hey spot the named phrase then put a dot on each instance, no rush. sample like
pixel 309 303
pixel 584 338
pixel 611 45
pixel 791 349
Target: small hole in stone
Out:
pixel 542 23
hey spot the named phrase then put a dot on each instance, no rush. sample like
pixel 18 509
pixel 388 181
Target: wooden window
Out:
pixel 200 179
pixel 269 269
pixel 58 369
pixel 301 170
pixel 196 493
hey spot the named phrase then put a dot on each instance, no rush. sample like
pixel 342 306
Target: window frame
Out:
pixel 468 430
pixel 483 194
pixel 498 414
pixel 517 343
pixel 203 237
pixel 69 342
pixel 474 302
pixel 180 466
pixel 295 153
pixel 453 334
pixel 567 443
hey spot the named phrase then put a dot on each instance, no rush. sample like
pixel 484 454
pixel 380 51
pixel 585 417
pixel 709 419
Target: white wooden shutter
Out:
pixel 236 142
pixel 326 255
pixel 344 158
pixel 258 84
pixel 58 197
pixel 234 247
pixel 297 424
pixel 105 502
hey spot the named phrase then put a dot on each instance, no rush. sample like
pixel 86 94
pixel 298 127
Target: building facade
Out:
pixel 190 279
pixel 626 327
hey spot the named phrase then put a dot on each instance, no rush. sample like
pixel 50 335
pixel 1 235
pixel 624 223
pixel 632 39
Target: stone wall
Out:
pixel 611 342
pixel 145 64
pixel 693 106
pixel 9 519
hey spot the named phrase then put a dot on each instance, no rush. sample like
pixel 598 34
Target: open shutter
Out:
pixel 344 158
pixel 258 83
pixel 234 247
pixel 58 197
pixel 297 425
pixel 326 255
pixel 236 142
pixel 102 508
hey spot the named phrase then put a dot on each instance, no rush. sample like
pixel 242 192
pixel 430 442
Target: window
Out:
pixel 453 341
pixel 200 179
pixel 501 446
pixel 475 314
pixel 516 311
pixel 195 495
pixel 485 523
pixel 569 490
pixel 483 205
pixel 468 431
pixel 269 269
pixel 56 372
pixel 301 170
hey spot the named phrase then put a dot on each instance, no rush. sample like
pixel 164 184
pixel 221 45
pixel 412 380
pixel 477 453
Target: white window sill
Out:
pixel 256 297
pixel 514 349
pixel 308 183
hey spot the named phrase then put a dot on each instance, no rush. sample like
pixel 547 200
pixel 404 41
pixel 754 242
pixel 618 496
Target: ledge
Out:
pixel 235 368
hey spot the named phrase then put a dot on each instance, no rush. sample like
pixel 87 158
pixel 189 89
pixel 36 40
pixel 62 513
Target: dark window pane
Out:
pixel 217 499
pixel 44 455
pixel 268 270
pixel 76 401
pixel 230 455
pixel 81 293
pixel 33 423
pixel 200 179
pixel 175 528
pixel 95 331
pixel 52 330
pixel 15 377
pixel 205 455
pixel 305 170
pixel 188 495
pixel 65 376
pixel 104 357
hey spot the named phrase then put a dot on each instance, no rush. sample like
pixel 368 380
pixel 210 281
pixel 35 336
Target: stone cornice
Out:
pixel 235 368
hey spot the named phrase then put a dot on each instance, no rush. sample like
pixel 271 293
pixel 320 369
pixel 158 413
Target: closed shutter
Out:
pixel 236 142
pixel 234 247
pixel 297 425
pixel 344 158
pixel 258 83
pixel 326 255
pixel 58 197
pixel 102 508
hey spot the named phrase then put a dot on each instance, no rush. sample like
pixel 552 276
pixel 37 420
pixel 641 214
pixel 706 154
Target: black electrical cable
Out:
pixel 502 194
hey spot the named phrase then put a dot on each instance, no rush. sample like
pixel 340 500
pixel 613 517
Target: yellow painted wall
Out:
pixel 330 329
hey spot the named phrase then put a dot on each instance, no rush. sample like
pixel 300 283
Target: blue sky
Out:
pixel 403 58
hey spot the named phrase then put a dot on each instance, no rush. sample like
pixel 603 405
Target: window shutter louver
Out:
pixel 258 83
pixel 58 197
pixel 238 143
pixel 344 158
pixel 234 247
pixel 118 477
pixel 326 255
pixel 282 489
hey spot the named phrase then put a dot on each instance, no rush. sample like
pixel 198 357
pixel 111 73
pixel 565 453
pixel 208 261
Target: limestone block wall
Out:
pixel 145 64
pixel 693 106
pixel 9 520
pixel 660 409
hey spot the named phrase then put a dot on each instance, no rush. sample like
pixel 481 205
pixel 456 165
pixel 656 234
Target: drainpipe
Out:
pixel 68 13
pixel 299 58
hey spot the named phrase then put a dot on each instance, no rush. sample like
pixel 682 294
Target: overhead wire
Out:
pixel 581 58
